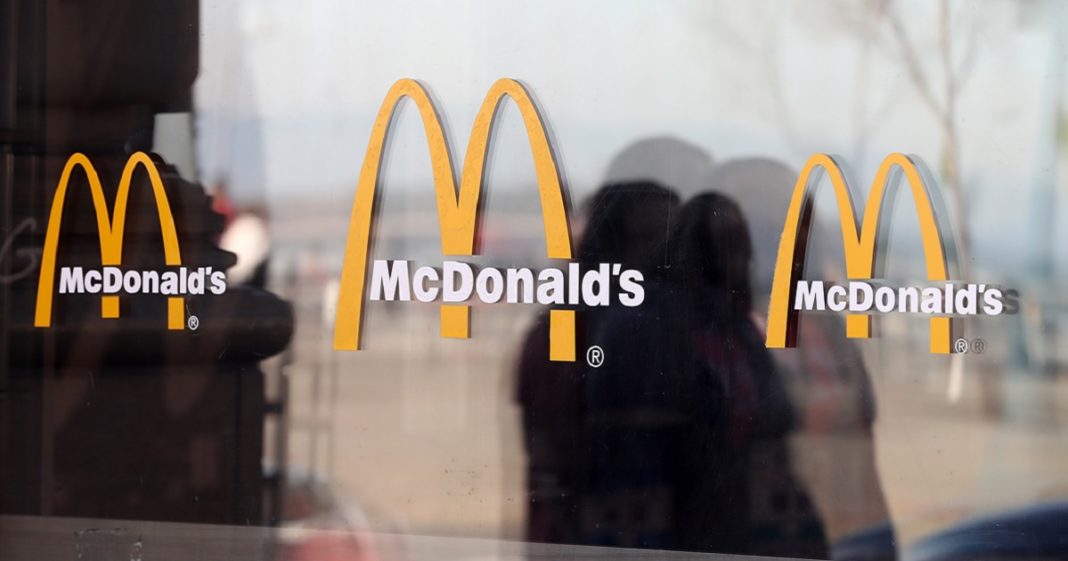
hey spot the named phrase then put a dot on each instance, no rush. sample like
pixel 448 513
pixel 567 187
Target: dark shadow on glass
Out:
pixel 123 418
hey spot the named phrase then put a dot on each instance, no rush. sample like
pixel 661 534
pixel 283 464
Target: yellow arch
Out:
pixel 110 228
pixel 859 248
pixel 457 208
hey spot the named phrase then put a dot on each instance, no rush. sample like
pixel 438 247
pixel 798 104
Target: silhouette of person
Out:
pixel 626 223
pixel 833 448
pixel 686 421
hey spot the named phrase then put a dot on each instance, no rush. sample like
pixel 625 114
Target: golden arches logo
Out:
pixel 458 209
pixel 860 247
pixel 110 228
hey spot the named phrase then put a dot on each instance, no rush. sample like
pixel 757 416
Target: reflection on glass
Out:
pixel 678 131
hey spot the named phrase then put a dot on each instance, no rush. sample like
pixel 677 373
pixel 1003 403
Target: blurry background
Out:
pixel 421 434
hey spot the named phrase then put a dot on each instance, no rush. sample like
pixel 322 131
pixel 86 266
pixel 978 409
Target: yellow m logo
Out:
pixel 110 227
pixel 458 209
pixel 860 249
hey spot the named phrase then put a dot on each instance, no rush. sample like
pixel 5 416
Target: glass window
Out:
pixel 499 280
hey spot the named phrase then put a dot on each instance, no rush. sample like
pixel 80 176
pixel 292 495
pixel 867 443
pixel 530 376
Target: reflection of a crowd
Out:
pixel 691 435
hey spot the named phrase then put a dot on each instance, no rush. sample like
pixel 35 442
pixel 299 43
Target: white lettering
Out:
pixel 390 278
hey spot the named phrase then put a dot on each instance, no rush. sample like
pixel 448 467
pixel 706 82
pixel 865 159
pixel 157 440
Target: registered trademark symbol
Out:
pixel 193 323
pixel 976 346
pixel 595 356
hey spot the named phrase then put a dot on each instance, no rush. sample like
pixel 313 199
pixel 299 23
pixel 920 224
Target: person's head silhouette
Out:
pixel 628 223
pixel 712 251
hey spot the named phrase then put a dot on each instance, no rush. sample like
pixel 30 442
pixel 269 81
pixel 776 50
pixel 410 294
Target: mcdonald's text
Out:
pixel 860 297
pixel 112 280
pixel 459 282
